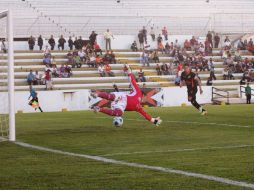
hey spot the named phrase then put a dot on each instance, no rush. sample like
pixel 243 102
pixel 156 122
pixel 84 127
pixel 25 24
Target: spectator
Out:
pixel 152 33
pixel 161 47
pixel 91 60
pixel 216 40
pixel 101 70
pixel 158 69
pixel 177 45
pixel 141 76
pixel 97 48
pixel 237 57
pixel 47 51
pixel 144 32
pixel 40 42
pixel 144 58
pixel 159 39
pixel 47 60
pixel 31 80
pixel 141 39
pixel 98 60
pixel 82 55
pixel 125 70
pixel 108 71
pixel 31 43
pixel 250 46
pixel 248 93
pixel 52 42
pixel 92 38
pixel 113 57
pixel 193 43
pixel 55 72
pixel 164 69
pixel 62 71
pixel 155 57
pixel 37 78
pixel 80 43
pixel 165 33
pixel 187 45
pixel 70 43
pixel 177 79
pixel 68 71
pixel 134 46
pixel 70 58
pixel 107 36
pixel 240 45
pixel 77 61
pixel 61 42
pixel 167 48
pixel 76 43
pixel 3 46
pixel 48 80
pixel 227 43
pixel 208 47
pixel 210 39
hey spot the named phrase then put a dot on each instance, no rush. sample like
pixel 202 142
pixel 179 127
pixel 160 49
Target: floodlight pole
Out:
pixel 12 132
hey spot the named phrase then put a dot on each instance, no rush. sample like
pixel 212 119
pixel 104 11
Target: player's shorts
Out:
pixel 120 101
pixel 192 93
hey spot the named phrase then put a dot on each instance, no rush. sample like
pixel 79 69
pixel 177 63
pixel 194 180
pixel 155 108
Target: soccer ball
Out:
pixel 118 121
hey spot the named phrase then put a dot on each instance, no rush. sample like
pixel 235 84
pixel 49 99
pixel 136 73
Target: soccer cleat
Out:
pixel 96 109
pixel 204 112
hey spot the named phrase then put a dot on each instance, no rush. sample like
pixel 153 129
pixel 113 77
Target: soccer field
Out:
pixel 219 145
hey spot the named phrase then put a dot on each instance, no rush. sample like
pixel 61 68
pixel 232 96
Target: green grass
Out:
pixel 88 133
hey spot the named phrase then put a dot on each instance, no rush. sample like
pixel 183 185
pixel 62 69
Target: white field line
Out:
pixel 179 150
pixel 136 165
pixel 187 122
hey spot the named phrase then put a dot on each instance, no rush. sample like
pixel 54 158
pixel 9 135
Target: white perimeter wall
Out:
pixel 51 101
pixel 120 41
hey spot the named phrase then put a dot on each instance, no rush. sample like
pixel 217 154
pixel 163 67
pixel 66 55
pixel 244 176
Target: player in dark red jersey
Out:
pixel 192 82
pixel 123 101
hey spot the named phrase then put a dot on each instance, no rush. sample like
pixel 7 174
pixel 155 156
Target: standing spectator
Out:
pixel 52 42
pixel 75 43
pixel 80 43
pixel 141 39
pixel 144 58
pixel 165 33
pixel 3 46
pixel 193 43
pixel 152 33
pixel 158 69
pixel 107 36
pixel 210 38
pixel 92 38
pixel 48 80
pixel 31 43
pixel 61 42
pixel 134 46
pixel 216 40
pixel 248 93
pixel 144 32
pixel 141 76
pixel 227 43
pixel 70 43
pixel 40 42
pixel 31 78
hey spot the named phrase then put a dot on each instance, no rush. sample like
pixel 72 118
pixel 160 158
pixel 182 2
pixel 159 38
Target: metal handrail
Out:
pixel 215 93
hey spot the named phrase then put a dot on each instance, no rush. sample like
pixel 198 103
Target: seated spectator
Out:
pixel 144 58
pixel 193 43
pixel 82 55
pixel 101 70
pixel 47 60
pixel 187 45
pixel 227 43
pixel 46 51
pixel 161 47
pixel 113 57
pixel 62 71
pixel 76 62
pixel 141 76
pixel 154 57
pixel 125 70
pixel 177 46
pixel 55 71
pixel 250 47
pixel 70 58
pixel 177 79
pixel 170 68
pixel 91 62
pixel 159 39
pixel 240 45
pixel 107 57
pixel 97 48
pixel 237 55
pixel 67 72
pixel 31 80
pixel 134 46
pixel 158 69
pixel 37 78
pixel 167 48
pixel 164 69
pixel 108 71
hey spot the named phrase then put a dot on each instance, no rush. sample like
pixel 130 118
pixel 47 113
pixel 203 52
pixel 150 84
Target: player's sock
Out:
pixel 40 109
pixel 106 96
pixel 196 105
pixel 115 112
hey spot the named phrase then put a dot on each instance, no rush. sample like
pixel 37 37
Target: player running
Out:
pixel 123 101
pixel 192 82
pixel 34 102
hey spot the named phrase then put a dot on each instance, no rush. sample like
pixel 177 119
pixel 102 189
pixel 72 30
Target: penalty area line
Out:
pixel 137 165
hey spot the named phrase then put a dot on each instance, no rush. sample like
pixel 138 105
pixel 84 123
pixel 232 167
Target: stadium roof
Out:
pixel 80 17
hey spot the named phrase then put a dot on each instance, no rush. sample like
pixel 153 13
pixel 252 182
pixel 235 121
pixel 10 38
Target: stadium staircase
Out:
pixel 88 78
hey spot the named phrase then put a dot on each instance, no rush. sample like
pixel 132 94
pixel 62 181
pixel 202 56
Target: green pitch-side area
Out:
pixel 221 144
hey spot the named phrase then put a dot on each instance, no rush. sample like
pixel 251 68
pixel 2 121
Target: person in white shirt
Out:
pixel 101 70
pixel 107 36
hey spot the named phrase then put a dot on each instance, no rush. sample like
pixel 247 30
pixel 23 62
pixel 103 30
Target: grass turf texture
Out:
pixel 89 133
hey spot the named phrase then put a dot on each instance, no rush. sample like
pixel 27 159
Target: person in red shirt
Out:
pixel 97 48
pixel 122 101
